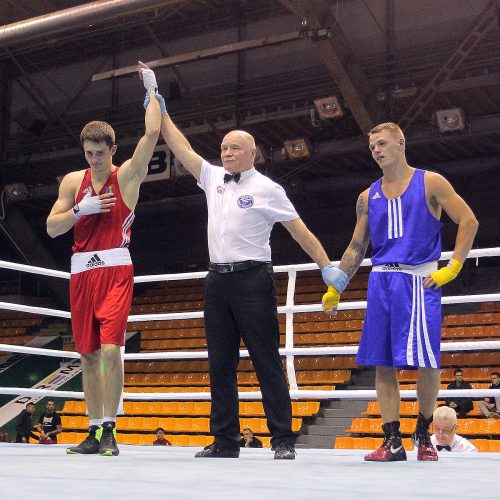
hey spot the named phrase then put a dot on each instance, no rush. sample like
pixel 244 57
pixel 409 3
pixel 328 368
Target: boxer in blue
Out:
pixel 400 215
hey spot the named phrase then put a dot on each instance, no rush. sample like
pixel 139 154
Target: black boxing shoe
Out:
pixel 392 449
pixel 422 440
pixel 217 450
pixel 107 443
pixel 90 445
pixel 284 451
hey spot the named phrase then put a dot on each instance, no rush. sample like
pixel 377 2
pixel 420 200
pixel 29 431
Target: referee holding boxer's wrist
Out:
pixel 240 296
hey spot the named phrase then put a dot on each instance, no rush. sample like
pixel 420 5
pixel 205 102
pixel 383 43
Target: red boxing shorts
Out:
pixel 100 304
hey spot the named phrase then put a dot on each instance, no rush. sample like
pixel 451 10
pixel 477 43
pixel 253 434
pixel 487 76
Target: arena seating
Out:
pixel 17 328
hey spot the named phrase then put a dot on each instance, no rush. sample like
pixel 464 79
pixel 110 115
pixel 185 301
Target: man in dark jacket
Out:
pixel 461 405
pixel 24 425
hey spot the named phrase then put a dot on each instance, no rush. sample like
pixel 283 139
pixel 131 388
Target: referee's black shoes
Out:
pixel 284 451
pixel 217 450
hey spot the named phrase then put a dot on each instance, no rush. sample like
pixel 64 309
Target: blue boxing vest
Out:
pixel 403 230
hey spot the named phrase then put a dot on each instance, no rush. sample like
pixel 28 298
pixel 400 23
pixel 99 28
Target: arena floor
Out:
pixel 43 472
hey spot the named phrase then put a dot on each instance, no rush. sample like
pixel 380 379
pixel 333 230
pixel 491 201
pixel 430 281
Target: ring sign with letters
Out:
pixel 159 166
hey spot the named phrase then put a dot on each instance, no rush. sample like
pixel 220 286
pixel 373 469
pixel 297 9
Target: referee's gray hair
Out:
pixel 445 413
pixel 248 137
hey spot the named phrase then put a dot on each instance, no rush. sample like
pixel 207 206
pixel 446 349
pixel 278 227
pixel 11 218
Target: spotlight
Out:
pixel 450 120
pixel 16 192
pixel 328 107
pixel 297 148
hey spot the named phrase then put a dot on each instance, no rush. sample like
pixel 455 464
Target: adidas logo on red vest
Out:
pixel 95 261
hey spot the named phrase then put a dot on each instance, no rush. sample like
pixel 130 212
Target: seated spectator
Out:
pixel 4 437
pixel 24 426
pixel 445 438
pixel 160 438
pixel 49 424
pixel 461 405
pixel 491 406
pixel 249 440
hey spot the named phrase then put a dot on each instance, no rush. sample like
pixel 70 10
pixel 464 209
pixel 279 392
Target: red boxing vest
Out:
pixel 106 230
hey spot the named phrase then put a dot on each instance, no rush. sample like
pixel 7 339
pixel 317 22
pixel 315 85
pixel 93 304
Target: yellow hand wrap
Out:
pixel 448 273
pixel 331 299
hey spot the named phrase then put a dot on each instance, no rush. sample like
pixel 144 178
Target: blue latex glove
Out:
pixel 333 276
pixel 159 98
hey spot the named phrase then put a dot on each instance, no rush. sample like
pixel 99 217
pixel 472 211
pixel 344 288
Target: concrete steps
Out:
pixel 336 416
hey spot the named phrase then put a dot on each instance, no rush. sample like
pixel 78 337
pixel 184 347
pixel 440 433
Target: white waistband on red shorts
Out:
pixel 420 270
pixel 86 261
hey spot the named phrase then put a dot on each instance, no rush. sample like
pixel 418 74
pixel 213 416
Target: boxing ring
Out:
pixel 155 472
pixel 148 471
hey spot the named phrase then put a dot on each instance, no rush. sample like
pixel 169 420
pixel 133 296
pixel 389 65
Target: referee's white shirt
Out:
pixel 458 443
pixel 241 215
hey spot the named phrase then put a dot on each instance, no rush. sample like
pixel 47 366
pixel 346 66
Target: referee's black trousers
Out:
pixel 243 305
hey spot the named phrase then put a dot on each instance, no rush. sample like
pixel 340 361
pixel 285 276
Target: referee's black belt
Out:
pixel 232 267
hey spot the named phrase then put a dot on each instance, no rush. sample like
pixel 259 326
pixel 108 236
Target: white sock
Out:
pixel 109 419
pixel 95 421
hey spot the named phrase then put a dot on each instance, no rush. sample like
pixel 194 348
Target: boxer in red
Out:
pixel 99 203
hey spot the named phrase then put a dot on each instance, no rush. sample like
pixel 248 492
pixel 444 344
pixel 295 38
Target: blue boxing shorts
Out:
pixel 402 327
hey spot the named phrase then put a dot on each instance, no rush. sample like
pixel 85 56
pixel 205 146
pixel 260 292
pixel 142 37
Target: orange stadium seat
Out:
pixel 200 425
pixel 344 442
pixel 481 444
pixel 180 440
pixel 183 424
pixel 150 423
pixel 201 407
pixel 365 443
pixel 495 445
pixel 360 426
pixel 186 408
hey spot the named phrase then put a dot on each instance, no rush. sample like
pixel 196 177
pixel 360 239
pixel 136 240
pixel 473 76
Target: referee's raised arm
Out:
pixel 180 146
pixel 174 138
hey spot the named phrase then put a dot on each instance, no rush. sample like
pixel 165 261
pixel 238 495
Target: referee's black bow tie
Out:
pixel 443 447
pixel 236 177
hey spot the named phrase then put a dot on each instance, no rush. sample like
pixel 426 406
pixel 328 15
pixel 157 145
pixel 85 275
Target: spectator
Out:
pixel 445 438
pixel 160 438
pixel 24 426
pixel 491 406
pixel 4 437
pixel 49 424
pixel 461 405
pixel 249 440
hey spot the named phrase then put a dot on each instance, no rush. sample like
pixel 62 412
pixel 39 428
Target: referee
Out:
pixel 240 296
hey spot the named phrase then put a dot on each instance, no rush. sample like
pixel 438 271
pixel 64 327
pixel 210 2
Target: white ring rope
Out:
pixel 44 311
pixel 299 394
pixel 34 270
pixel 343 306
pixel 482 345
